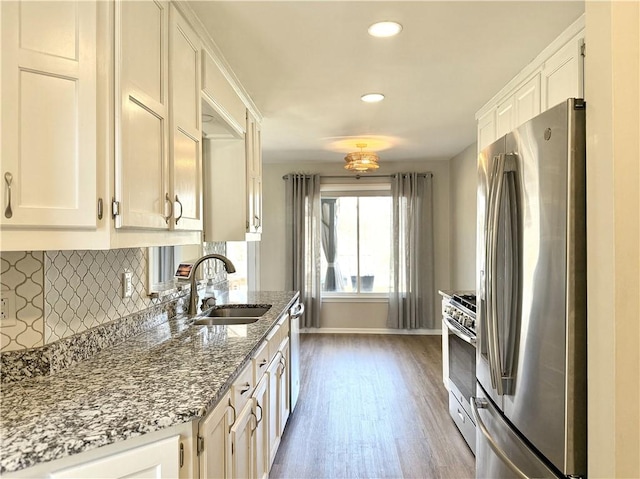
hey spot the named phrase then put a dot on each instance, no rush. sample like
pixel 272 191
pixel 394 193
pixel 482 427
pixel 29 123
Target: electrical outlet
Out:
pixel 127 284
pixel 8 309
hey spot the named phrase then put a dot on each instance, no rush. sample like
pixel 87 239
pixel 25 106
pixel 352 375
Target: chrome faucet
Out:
pixel 193 295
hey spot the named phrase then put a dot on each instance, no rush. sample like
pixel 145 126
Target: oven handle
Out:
pixel 451 326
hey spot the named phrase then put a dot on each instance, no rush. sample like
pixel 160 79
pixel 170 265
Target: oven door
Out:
pixel 462 380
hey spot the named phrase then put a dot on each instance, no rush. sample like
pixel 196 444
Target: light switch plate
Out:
pixel 127 284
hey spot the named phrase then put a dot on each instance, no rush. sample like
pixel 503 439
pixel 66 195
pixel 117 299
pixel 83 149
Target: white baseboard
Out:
pixel 420 332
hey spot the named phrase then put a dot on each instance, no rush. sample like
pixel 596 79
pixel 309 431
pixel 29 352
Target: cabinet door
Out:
pixel 159 460
pixel 242 443
pixel 254 175
pixel 215 458
pixel 186 129
pixel 273 434
pixel 284 388
pixel 48 120
pixel 261 411
pixel 487 129
pixel 505 117
pixel 142 114
pixel 527 100
pixel 562 75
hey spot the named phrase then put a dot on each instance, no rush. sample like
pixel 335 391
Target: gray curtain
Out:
pixel 411 295
pixel 333 277
pixel 303 223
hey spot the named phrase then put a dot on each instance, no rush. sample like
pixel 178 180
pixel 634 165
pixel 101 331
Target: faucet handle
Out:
pixel 208 302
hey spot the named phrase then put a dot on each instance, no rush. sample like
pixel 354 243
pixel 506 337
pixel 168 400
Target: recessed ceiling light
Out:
pixel 384 29
pixel 372 97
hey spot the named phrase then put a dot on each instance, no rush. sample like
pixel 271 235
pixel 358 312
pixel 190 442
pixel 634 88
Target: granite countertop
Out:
pixel 172 374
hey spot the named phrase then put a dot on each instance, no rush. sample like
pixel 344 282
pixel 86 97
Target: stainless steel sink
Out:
pixel 248 311
pixel 207 321
pixel 244 314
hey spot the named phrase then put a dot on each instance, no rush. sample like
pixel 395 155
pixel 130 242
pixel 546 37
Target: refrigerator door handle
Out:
pixel 509 369
pixel 504 178
pixel 493 349
pixel 476 404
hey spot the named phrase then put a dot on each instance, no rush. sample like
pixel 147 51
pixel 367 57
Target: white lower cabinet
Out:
pixel 157 460
pixel 260 409
pixel 242 443
pixel 214 441
pixel 283 387
pixel 239 439
pixel 273 435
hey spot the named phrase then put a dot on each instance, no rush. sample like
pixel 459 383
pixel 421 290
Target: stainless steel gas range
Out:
pixel 459 339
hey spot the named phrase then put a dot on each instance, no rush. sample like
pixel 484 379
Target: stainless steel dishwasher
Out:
pixel 296 311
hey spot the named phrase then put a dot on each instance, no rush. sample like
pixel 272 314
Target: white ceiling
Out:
pixel 306 63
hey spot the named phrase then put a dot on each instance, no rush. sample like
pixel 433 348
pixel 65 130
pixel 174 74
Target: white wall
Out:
pixel 463 219
pixel 348 315
pixel 613 224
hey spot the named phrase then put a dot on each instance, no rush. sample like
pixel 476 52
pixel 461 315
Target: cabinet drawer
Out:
pixel 274 341
pixel 242 388
pixel 284 327
pixel 260 361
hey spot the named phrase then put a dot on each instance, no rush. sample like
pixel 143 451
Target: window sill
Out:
pixel 357 298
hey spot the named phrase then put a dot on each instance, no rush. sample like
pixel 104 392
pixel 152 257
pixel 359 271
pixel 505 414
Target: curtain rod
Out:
pixel 359 177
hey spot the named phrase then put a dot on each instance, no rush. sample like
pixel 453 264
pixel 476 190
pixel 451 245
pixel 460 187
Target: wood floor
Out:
pixel 371 406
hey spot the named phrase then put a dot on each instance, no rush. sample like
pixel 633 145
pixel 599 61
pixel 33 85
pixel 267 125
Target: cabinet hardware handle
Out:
pixel 8 178
pixel 246 388
pixel 263 363
pixel 234 415
pixel 255 422
pixel 181 454
pixel 261 413
pixel 100 208
pixel 181 208
pixel 168 200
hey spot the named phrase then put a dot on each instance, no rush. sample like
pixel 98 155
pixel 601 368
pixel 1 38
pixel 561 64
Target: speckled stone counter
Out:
pixel 172 374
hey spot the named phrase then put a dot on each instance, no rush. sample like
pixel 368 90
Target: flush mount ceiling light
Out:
pixel 384 29
pixel 361 161
pixel 372 97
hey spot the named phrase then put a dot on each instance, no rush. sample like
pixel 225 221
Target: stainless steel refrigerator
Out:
pixel 531 397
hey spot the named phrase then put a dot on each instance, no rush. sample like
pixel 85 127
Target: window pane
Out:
pixel 375 247
pixel 345 267
pixel 343 247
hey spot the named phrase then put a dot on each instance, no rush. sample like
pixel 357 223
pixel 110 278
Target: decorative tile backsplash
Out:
pixel 62 293
pixel 22 276
pixel 84 289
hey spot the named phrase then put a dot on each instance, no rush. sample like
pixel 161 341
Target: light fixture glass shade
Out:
pixel 361 161
pixel 384 29
pixel 372 97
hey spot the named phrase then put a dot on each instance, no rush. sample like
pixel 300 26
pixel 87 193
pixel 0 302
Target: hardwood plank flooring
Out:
pixel 371 406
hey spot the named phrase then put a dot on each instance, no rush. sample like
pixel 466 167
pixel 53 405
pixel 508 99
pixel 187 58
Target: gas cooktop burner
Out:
pixel 466 300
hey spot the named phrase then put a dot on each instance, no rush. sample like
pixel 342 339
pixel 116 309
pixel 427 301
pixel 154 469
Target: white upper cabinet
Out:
pixel 253 141
pixel 563 74
pixel 527 101
pixel 142 109
pixel 487 128
pixel 218 92
pixel 233 183
pixel 186 121
pixel 552 77
pixel 158 132
pixel 48 126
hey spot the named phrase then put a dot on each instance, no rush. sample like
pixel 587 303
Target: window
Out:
pixel 355 236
